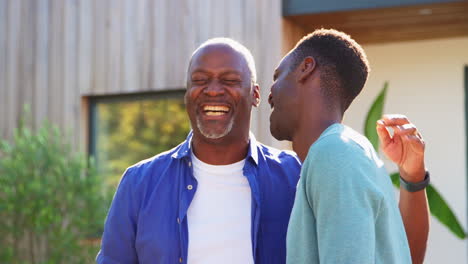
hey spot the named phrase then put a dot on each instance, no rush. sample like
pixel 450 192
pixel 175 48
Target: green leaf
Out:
pixel 395 179
pixel 374 114
pixel 439 208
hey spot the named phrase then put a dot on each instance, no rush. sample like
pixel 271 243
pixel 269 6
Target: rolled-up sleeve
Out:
pixel 118 240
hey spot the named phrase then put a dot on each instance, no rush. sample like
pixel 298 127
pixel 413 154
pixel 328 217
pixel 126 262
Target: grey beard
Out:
pixel 214 135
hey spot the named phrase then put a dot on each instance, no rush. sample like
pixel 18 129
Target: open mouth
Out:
pixel 272 106
pixel 215 110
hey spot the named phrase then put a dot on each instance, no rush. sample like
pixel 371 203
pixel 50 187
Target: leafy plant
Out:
pixel 130 131
pixel 51 199
pixel 437 204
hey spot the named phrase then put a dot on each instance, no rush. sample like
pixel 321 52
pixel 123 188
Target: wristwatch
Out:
pixel 415 186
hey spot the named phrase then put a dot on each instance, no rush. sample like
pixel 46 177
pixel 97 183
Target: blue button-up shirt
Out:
pixel 147 220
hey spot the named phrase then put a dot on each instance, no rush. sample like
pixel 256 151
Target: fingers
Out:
pixel 383 134
pixel 409 135
pixel 406 129
pixel 395 120
pixel 401 130
pixel 415 138
pixel 400 124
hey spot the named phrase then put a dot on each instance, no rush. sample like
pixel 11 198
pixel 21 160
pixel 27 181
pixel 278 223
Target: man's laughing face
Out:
pixel 219 93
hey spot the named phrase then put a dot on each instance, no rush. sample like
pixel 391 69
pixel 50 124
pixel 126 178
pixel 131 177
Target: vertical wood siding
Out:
pixel 54 52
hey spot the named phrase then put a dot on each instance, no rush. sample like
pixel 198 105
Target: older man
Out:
pixel 218 197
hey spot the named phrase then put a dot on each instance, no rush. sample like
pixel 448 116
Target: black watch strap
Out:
pixel 415 186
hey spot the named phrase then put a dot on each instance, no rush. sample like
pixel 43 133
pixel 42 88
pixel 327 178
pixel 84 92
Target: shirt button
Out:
pixel 178 220
pixel 189 187
pixel 190 164
pixel 180 260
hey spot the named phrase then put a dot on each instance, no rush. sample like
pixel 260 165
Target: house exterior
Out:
pixel 66 59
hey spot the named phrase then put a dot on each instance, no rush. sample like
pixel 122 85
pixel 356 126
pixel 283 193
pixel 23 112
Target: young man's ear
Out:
pixel 306 69
pixel 256 95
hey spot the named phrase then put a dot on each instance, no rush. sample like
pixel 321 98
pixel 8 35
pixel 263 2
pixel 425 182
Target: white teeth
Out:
pixel 209 113
pixel 216 108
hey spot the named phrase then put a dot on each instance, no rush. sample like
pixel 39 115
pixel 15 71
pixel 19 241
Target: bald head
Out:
pixel 228 45
pixel 221 91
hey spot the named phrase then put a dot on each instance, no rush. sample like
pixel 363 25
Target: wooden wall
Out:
pixel 54 53
pixel 292 33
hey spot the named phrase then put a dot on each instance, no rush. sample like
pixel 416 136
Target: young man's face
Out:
pixel 220 93
pixel 284 101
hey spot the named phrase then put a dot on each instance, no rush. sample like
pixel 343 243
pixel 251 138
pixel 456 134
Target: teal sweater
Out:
pixel 345 210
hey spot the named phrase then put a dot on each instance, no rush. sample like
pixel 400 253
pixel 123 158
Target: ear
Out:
pixel 256 95
pixel 306 69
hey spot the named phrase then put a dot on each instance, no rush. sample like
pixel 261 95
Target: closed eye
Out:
pixel 199 81
pixel 231 81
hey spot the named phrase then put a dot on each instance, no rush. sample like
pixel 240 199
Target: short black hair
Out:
pixel 341 61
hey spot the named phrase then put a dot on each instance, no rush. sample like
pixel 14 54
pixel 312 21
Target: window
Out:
pixel 128 128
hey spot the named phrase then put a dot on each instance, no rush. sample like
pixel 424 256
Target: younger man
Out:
pixel 345 210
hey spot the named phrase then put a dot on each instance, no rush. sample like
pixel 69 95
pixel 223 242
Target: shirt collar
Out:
pixel 253 148
pixel 185 148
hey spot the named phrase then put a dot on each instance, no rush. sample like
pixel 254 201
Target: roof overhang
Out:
pixel 384 22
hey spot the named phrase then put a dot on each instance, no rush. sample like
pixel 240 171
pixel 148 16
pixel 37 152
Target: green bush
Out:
pixel 52 202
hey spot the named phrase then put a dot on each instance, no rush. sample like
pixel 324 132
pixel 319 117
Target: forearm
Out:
pixel 415 213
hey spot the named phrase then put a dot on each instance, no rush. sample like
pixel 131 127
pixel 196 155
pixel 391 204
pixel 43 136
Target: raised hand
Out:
pixel 405 147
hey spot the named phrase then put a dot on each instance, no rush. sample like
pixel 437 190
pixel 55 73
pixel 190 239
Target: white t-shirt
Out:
pixel 219 217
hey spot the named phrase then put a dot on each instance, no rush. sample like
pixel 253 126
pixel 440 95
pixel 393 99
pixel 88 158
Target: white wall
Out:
pixel 426 82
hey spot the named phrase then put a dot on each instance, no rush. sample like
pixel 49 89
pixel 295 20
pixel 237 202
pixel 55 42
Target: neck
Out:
pixel 220 151
pixel 312 126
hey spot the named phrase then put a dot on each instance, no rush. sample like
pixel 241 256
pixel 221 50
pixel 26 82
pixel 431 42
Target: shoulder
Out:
pixel 276 156
pixel 343 157
pixel 341 144
pixel 278 165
